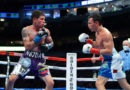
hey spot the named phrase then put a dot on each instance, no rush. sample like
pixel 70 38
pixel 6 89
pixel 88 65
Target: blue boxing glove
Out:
pixel 42 33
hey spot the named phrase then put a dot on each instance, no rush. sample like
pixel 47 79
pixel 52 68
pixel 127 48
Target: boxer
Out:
pixel 37 41
pixel 111 67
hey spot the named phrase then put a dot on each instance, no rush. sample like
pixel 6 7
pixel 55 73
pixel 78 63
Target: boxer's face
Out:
pixel 40 22
pixel 91 24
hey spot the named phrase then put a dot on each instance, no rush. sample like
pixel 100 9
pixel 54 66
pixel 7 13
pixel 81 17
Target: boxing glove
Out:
pixel 45 47
pixel 85 38
pixel 129 40
pixel 87 49
pixel 42 33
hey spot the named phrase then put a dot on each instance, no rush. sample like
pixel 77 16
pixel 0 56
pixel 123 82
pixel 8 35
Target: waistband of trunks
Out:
pixel 107 57
pixel 34 54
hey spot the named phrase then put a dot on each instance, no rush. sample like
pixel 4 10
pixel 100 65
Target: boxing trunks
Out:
pixel 112 66
pixel 33 62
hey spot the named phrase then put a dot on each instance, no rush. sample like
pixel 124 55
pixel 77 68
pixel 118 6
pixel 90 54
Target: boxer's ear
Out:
pixel 96 22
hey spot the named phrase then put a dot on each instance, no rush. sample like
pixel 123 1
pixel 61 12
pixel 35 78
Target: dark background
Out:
pixel 65 32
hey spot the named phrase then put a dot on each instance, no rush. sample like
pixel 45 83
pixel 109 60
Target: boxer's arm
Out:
pixel 29 44
pixel 49 39
pixel 95 45
pixel 47 44
pixel 93 58
pixel 108 45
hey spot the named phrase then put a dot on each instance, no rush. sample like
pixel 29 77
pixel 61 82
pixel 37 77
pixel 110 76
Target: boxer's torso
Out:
pixel 32 33
pixel 104 36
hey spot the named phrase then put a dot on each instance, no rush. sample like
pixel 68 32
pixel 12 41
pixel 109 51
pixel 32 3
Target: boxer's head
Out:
pixel 94 20
pixel 38 18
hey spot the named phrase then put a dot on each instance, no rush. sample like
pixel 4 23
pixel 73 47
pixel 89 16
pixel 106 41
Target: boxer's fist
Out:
pixel 83 37
pixel 42 33
pixel 87 48
pixel 45 47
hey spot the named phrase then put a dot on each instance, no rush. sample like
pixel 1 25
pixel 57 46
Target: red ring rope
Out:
pixel 51 58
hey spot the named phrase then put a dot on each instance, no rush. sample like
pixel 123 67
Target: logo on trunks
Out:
pixel 105 65
pixel 115 70
pixel 34 54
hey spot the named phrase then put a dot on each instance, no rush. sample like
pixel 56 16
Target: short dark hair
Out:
pixel 96 17
pixel 37 14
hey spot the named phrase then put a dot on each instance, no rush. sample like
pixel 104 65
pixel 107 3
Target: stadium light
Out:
pixel 12 48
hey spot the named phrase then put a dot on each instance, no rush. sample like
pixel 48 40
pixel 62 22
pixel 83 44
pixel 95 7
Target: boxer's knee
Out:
pixel 100 82
pixel 50 83
pixel 12 78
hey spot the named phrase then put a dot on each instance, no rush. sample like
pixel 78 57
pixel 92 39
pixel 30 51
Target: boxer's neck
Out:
pixel 35 27
pixel 100 28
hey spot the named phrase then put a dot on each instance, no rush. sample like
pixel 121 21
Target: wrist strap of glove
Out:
pixel 37 39
pixel 95 50
pixel 45 47
pixel 90 41
pixel 49 45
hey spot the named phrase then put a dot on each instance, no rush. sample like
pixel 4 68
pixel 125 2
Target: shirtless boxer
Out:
pixel 37 41
pixel 111 67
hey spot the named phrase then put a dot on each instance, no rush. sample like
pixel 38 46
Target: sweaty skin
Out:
pixel 104 40
pixel 29 32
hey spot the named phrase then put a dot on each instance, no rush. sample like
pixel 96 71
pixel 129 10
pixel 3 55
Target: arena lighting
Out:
pixel 8 15
pixel 12 48
pixel 89 2
pixel 53 6
pixel 64 5
pixel 2 19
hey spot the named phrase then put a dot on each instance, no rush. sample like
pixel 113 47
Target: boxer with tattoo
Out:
pixel 37 40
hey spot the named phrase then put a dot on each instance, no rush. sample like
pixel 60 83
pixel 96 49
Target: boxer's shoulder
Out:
pixel 47 30
pixel 29 30
pixel 28 27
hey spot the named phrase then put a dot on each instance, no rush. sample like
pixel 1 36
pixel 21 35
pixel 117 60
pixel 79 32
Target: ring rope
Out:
pixel 60 78
pixel 52 58
pixel 10 53
pixel 56 67
pixel 52 67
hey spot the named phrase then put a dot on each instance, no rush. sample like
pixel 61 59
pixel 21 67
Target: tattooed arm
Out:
pixel 29 44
